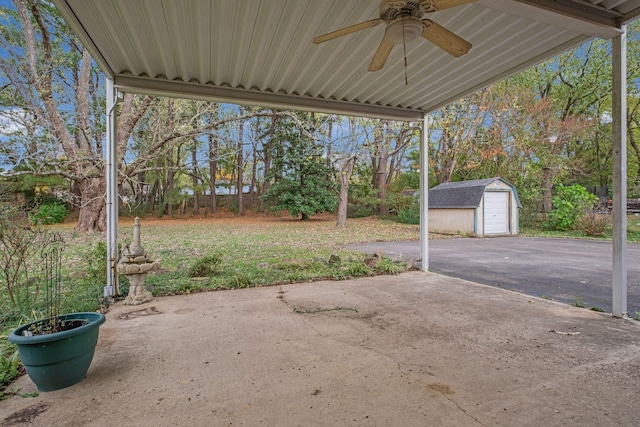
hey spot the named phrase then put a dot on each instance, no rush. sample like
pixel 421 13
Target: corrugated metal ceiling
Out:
pixel 261 51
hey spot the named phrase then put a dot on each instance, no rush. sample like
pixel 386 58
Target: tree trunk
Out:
pixel 254 170
pixel 304 216
pixel 153 194
pixel 330 144
pixel 267 161
pixel 378 142
pixel 196 195
pixel 254 176
pixel 168 195
pixel 346 169
pixel 76 196
pixel 382 186
pixel 213 168
pixel 548 176
pixel 381 171
pixel 140 188
pixel 93 212
pixel 253 188
pixel 240 170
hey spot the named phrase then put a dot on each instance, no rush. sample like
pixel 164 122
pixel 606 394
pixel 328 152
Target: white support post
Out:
pixel 112 190
pixel 424 194
pixel 619 113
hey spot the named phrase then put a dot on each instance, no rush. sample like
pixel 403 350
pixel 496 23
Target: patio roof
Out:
pixel 261 52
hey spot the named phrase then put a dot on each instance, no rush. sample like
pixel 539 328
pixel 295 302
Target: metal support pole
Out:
pixel 112 190
pixel 619 113
pixel 424 194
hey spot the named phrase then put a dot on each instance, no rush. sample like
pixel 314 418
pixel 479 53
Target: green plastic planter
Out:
pixel 61 359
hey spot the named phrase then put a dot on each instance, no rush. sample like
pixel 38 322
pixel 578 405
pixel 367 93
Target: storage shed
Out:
pixel 481 207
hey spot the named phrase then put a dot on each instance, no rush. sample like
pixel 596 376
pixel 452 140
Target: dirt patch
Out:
pixel 149 311
pixel 25 415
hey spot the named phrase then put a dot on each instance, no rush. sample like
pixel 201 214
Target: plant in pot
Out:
pixel 56 351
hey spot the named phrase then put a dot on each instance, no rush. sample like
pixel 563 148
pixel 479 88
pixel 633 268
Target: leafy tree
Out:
pixel 452 133
pixel 570 204
pixel 299 175
pixel 558 106
pixel 346 152
pixel 388 143
pixel 633 104
pixel 54 96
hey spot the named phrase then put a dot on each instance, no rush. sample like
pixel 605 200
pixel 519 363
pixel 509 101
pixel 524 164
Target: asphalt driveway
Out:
pixel 571 271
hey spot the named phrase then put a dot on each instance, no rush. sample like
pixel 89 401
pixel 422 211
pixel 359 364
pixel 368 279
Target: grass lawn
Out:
pixel 633 231
pixel 261 250
pixel 255 250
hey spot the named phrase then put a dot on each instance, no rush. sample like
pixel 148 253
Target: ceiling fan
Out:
pixel 404 23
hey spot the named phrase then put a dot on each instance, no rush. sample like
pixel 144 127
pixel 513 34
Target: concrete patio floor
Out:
pixel 417 349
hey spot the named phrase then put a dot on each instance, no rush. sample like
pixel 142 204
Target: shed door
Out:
pixel 496 212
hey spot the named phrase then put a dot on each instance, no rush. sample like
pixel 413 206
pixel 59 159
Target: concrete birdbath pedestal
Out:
pixel 134 263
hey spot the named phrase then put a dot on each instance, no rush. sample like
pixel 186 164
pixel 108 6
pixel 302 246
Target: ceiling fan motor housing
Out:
pixel 392 10
pixel 404 30
pixel 403 19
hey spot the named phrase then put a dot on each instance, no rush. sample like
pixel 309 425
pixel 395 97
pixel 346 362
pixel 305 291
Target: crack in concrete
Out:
pixel 404 375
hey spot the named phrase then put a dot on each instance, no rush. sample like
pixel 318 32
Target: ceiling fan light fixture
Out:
pixel 399 32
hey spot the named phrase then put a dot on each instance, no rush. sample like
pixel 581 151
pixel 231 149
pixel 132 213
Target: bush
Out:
pixel 531 197
pixel 9 366
pixel 594 225
pixel 385 265
pixel 405 180
pixel 411 215
pixel 357 269
pixel 20 246
pixel 206 266
pixel 86 292
pixel 396 202
pixel 49 213
pixel 360 211
pixel 363 207
pixel 570 204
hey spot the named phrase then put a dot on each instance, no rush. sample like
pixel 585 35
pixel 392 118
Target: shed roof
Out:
pixel 463 194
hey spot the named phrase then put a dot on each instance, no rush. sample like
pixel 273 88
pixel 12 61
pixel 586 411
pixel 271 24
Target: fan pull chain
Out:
pixel 404 48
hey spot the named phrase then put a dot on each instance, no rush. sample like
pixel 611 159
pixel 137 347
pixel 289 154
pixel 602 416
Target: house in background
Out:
pixel 480 208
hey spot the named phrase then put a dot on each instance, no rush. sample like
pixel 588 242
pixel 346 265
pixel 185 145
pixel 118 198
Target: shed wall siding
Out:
pixel 452 221
pixel 514 229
